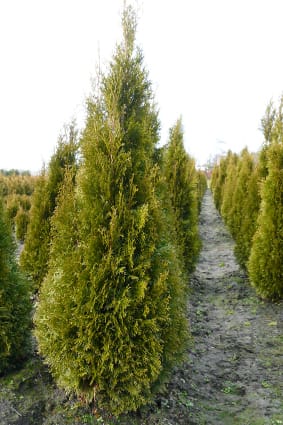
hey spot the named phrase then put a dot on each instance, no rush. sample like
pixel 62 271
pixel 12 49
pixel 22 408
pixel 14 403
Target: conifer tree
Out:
pixel 35 255
pixel 21 223
pixel 111 314
pixel 15 306
pixel 266 261
pixel 218 181
pixel 250 211
pixel 229 189
pixel 181 177
pixel 201 187
pixel 267 126
pixel 243 173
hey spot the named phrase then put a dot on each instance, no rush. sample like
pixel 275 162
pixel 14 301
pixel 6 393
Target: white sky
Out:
pixel 215 62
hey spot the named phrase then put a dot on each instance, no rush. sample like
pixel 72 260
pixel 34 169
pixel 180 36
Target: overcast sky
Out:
pixel 217 63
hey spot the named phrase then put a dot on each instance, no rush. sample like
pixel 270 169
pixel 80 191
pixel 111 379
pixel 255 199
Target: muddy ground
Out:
pixel 233 373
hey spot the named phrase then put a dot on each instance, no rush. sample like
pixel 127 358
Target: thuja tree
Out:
pixel 243 173
pixel 266 260
pixel 111 314
pixel 201 187
pixel 249 213
pixel 267 127
pixel 35 255
pixel 218 179
pixel 229 186
pixel 181 177
pixel 15 306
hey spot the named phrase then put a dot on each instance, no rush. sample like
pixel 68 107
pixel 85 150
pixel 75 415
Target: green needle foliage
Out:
pixel 266 260
pixel 218 180
pixel 15 305
pixel 239 195
pixel 201 187
pixel 181 177
pixel 111 314
pixel 249 192
pixel 230 186
pixel 251 205
pixel 35 255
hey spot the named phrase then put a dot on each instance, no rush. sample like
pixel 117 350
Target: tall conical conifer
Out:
pixel 35 255
pixel 181 177
pixel 266 260
pixel 111 314
pixel 230 186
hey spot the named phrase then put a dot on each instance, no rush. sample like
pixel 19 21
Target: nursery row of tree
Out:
pixel 110 245
pixel 248 192
pixel 16 188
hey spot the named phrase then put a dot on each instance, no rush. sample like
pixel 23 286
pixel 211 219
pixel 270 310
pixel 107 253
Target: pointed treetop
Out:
pixel 129 24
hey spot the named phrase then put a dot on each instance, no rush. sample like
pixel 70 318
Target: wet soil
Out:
pixel 233 373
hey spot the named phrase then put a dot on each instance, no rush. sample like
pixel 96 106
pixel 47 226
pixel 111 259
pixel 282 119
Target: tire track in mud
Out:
pixel 234 374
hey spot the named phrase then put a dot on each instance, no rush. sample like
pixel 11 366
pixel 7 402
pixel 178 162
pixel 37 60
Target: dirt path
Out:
pixel 235 371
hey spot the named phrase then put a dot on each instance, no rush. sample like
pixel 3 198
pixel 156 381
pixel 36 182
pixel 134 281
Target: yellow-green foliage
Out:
pixel 250 211
pixel 266 259
pixel 111 319
pixel 35 255
pixel 218 179
pixel 16 188
pixel 15 306
pixel 201 187
pixel 240 199
pixel 239 195
pixel 21 224
pixel 229 186
pixel 182 181
pixel 248 190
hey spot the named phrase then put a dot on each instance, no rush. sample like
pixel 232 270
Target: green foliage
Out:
pixel 16 183
pixel 240 200
pixel 266 260
pixel 201 187
pixel 218 179
pixel 250 211
pixel 248 190
pixel 35 255
pixel 181 177
pixel 15 306
pixel 239 195
pixel 16 189
pixel 21 223
pixel 229 187
pixel 111 314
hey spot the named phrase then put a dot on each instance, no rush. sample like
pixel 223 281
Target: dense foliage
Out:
pixel 248 193
pixel 266 260
pixel 111 318
pixel 15 306
pixel 16 188
pixel 182 180
pixel 35 255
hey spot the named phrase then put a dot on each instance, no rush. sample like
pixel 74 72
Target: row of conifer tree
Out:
pixel 16 189
pixel 248 192
pixel 111 241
